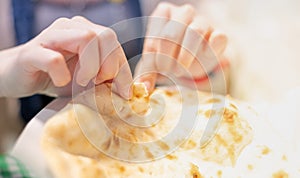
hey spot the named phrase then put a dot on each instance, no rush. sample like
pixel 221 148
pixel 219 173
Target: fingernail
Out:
pixel 127 94
pixel 63 82
pixel 148 85
pixel 98 81
pixel 219 43
pixel 83 82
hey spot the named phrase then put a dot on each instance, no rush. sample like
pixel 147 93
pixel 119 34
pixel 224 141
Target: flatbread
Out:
pixel 159 135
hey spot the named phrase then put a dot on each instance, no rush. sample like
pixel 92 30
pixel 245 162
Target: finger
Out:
pixel 113 60
pixel 52 63
pixel 172 36
pixel 72 40
pixel 112 57
pixel 193 39
pixel 146 69
pixel 89 63
pixel 92 53
pixel 107 38
pixel 114 68
pixel 183 14
pixel 124 79
pixel 91 57
pixel 205 59
pixel 158 19
pixel 108 70
pixel 208 55
pixel 218 42
pixel 77 41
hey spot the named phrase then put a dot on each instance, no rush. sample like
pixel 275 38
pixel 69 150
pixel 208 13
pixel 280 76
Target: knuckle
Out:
pixel 199 31
pixel 77 17
pixel 89 34
pixel 196 30
pixel 163 6
pixel 61 21
pixel 188 8
pixel 150 46
pixel 55 60
pixel 171 36
pixel 223 38
pixel 108 34
pixel 201 26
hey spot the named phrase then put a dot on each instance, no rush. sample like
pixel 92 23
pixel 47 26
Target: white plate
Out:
pixel 27 148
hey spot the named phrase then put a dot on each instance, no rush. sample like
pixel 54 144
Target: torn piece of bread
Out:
pixel 139 103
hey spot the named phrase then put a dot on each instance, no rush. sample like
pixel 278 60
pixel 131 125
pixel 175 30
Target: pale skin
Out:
pixel 46 63
pixel 180 34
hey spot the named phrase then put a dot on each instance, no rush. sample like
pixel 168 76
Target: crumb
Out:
pixel 195 171
pixel 266 150
pixel 250 167
pixel 280 174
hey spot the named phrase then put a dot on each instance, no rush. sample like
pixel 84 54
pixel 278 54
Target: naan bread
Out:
pixel 130 138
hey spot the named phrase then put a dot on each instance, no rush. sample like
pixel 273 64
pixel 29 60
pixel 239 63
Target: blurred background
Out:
pixel 10 122
pixel 263 48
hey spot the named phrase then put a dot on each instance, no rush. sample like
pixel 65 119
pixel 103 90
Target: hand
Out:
pixel 180 42
pixel 46 64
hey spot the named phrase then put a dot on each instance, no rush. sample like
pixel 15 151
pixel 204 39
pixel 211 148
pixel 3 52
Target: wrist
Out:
pixel 215 81
pixel 8 58
pixel 211 74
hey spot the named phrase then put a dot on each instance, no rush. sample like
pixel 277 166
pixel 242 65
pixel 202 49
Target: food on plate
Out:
pixel 159 135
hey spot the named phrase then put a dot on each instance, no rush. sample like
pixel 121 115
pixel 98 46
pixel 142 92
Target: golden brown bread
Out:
pixel 76 143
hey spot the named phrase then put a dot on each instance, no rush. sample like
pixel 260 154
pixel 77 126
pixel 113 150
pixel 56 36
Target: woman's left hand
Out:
pixel 180 42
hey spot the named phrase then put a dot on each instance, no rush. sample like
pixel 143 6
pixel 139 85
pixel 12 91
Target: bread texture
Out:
pixel 168 133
